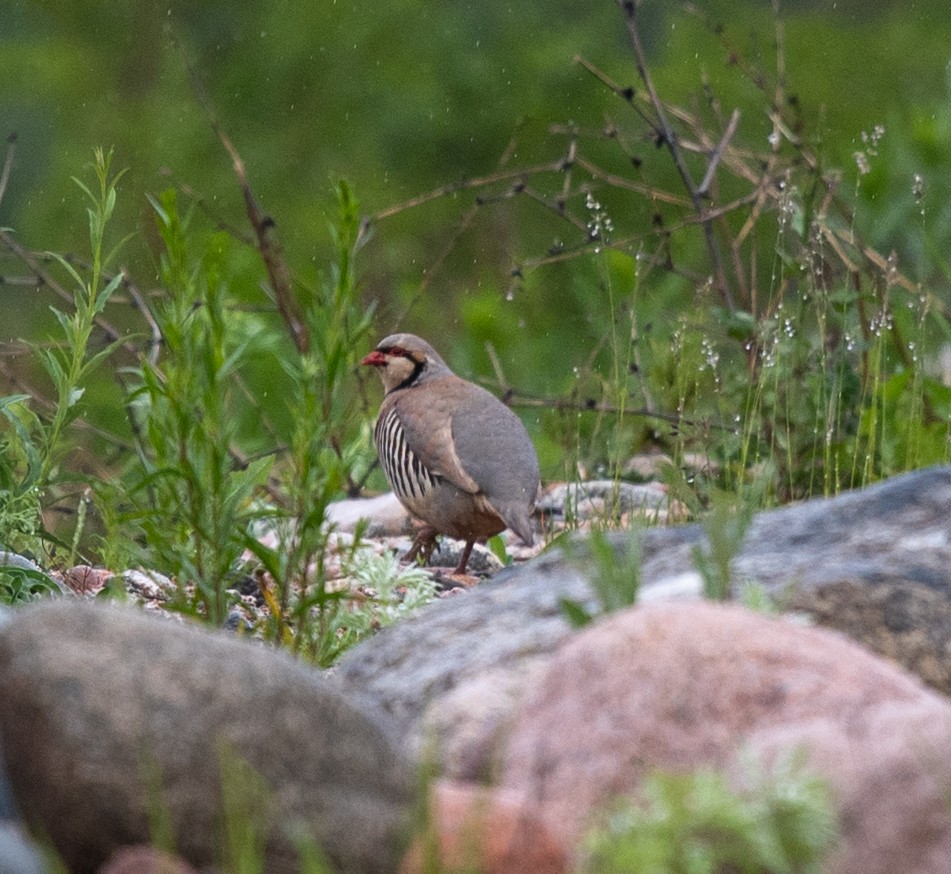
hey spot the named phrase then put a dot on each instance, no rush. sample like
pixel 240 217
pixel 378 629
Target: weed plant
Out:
pixel 697 823
pixel 190 500
pixel 203 506
pixel 32 448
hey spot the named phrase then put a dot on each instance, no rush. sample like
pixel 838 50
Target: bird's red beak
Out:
pixel 375 359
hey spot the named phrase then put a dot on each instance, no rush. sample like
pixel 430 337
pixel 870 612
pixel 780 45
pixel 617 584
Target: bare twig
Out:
pixel 669 135
pixel 201 202
pixel 468 217
pixel 466 185
pixel 7 164
pixel 496 366
pixel 515 399
pixel 718 153
pixel 155 343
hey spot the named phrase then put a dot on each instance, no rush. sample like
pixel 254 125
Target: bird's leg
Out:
pixel 423 545
pixel 464 558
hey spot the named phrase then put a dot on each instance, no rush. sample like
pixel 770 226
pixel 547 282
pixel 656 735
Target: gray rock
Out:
pixel 885 549
pixel 8 809
pixel 874 564
pixel 108 714
pixel 604 499
pixel 385 515
pixel 150 585
pixel 18 854
pixel 14 559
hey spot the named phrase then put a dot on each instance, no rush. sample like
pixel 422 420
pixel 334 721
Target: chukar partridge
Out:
pixel 456 456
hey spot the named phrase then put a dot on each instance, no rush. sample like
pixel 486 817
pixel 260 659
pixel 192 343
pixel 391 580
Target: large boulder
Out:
pixel 109 716
pixel 677 687
pixel 874 563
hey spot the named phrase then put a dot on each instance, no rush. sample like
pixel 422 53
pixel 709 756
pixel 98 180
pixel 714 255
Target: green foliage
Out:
pixel 725 526
pixel 497 545
pixel 31 448
pixel 386 591
pixel 20 585
pixel 328 445
pixel 696 823
pixel 70 365
pixel 191 498
pixel 615 579
pixel 194 497
pixel 246 820
pixel 20 465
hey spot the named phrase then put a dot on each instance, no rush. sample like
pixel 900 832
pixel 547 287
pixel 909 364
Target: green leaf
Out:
pixel 68 268
pixel 575 612
pixel 497 546
pixel 107 292
pixel 53 367
pixel 10 400
pixel 20 585
pixel 33 461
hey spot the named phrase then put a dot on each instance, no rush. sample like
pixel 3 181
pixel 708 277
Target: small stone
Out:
pixel 385 514
pixel 145 859
pixel 150 585
pixel 86 580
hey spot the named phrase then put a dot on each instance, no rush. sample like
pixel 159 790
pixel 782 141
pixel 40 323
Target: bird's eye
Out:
pixel 397 350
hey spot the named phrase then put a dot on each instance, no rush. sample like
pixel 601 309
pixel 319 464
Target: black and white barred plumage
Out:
pixel 408 476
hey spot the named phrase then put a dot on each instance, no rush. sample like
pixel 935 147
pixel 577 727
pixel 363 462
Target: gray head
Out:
pixel 405 360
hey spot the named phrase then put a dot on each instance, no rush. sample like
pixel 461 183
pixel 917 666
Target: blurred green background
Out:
pixel 401 97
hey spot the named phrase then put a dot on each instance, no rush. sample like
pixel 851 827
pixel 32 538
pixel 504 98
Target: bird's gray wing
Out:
pixel 497 454
pixel 426 415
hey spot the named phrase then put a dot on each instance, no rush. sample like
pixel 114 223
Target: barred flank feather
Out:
pixel 408 476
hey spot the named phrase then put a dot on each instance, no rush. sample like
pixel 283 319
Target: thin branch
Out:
pixel 626 93
pixel 155 344
pixel 45 278
pixel 496 366
pixel 718 153
pixel 463 225
pixel 629 185
pixel 466 185
pixel 629 8
pixel 7 164
pixel 202 203
pixel 515 399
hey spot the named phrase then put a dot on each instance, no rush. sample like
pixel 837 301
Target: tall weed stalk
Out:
pixel 192 498
pixel 328 442
pixel 32 448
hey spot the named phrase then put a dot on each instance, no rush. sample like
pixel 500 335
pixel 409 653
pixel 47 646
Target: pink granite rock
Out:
pixel 680 686
pixel 474 828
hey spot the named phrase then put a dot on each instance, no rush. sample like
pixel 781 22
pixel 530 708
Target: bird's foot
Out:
pixel 423 545
pixel 463 560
